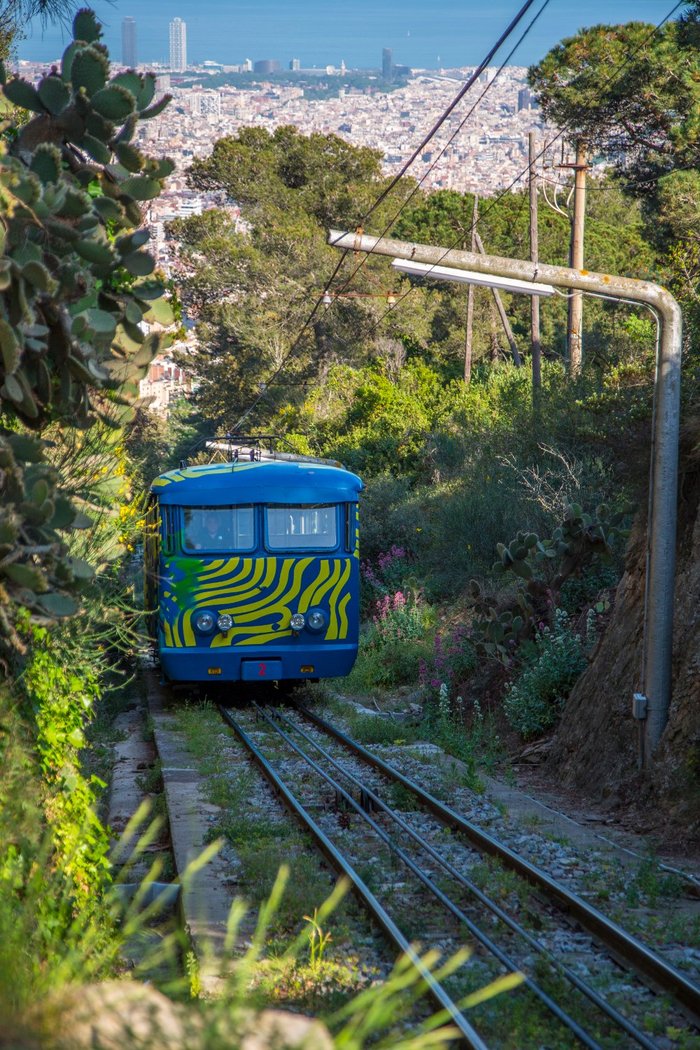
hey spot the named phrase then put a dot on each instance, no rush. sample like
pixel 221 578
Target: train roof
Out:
pixel 263 481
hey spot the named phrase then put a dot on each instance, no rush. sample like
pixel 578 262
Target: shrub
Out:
pixel 452 660
pixel 395 645
pixel 535 698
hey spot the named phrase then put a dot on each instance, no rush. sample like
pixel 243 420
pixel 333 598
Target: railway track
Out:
pixel 360 783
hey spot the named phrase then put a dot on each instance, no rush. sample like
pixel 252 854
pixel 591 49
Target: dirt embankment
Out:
pixel 595 747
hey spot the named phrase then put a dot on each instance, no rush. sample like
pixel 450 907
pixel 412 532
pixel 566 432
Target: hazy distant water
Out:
pixel 420 33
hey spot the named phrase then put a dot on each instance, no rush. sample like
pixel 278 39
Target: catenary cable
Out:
pixel 610 80
pixel 445 114
pixel 480 69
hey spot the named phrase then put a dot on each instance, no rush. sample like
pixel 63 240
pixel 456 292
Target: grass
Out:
pixel 260 840
pixel 376 729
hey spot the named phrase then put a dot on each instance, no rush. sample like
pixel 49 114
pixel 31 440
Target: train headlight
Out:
pixel 316 620
pixel 204 622
pixel 225 622
pixel 297 622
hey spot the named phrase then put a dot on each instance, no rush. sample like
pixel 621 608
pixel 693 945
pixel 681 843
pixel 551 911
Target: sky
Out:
pixel 421 33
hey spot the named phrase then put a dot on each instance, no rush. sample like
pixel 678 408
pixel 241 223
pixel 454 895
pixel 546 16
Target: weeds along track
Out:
pixel 376 826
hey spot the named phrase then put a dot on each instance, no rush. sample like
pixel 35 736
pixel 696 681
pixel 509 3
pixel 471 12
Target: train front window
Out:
pixel 293 527
pixel 219 528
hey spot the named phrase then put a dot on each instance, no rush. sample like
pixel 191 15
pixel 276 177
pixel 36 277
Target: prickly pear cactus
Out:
pixel 541 568
pixel 75 277
pixel 76 281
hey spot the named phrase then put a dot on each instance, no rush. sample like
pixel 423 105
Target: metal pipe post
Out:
pixel 534 256
pixel 659 634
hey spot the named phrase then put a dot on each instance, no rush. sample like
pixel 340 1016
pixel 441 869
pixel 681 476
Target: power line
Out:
pixel 607 82
pixel 471 80
pixel 455 101
pixel 451 139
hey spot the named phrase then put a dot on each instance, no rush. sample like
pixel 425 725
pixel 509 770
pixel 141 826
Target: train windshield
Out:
pixel 219 528
pixel 309 526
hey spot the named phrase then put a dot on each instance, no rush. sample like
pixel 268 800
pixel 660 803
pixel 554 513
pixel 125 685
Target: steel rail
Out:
pixel 483 938
pixel 602 1004
pixel 636 954
pixel 470 1036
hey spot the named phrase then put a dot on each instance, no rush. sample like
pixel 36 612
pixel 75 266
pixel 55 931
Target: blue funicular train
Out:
pixel 252 567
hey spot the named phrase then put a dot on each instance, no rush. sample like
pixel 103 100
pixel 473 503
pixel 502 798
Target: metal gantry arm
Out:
pixel 658 642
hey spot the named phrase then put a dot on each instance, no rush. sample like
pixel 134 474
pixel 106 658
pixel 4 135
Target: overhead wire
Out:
pixel 492 204
pixel 483 65
pixel 382 196
pixel 454 135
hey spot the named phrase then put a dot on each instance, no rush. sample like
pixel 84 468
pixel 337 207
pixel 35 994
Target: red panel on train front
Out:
pixel 261 670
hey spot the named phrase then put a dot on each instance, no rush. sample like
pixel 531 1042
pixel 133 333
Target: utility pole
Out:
pixel 470 302
pixel 502 313
pixel 575 324
pixel 534 256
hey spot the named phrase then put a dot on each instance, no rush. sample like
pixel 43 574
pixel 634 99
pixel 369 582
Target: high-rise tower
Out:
pixel 387 64
pixel 178 46
pixel 129 43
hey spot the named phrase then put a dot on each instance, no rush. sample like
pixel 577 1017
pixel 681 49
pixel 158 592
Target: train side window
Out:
pixel 349 526
pixel 219 528
pixel 306 526
pixel 169 527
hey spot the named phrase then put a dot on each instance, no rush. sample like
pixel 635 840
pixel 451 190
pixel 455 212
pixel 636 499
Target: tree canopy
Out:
pixel 631 92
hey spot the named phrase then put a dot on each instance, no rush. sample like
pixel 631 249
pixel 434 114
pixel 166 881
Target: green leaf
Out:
pixel 20 93
pixel 11 390
pixel 147 91
pixel 148 289
pixel 127 132
pixel 155 111
pixel 99 127
pixel 54 94
pixel 26 576
pixel 101 322
pixel 165 167
pixel 160 312
pixel 129 80
pixel 90 70
pixel 108 209
pixel 46 163
pixel 147 351
pixel 40 491
pixel 68 58
pixel 37 275
pixel 64 513
pixel 86 27
pixel 26 448
pixel 94 251
pixel 82 570
pixel 139 264
pixel 130 157
pixel 133 312
pixel 9 348
pixel 114 102
pixel 132 241
pixel 97 150
pixel 56 604
pixel 141 188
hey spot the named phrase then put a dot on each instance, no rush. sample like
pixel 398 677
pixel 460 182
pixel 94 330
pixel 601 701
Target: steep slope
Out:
pixel 595 746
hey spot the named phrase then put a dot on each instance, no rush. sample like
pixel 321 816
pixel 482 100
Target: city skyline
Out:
pixel 458 33
pixel 178 45
pixel 129 46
